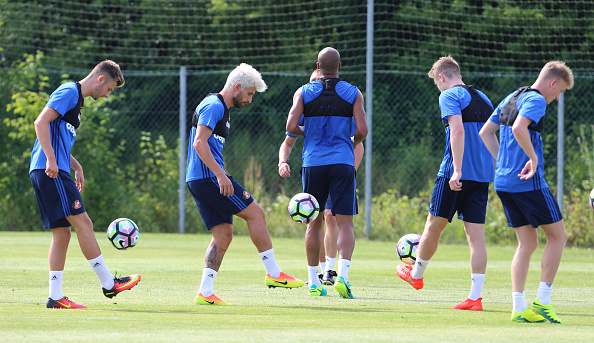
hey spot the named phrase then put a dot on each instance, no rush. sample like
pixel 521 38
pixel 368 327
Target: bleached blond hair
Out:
pixel 247 76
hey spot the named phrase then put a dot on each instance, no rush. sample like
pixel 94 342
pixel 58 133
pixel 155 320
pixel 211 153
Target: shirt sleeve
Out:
pixel 532 106
pixel 210 114
pixel 449 104
pixel 63 99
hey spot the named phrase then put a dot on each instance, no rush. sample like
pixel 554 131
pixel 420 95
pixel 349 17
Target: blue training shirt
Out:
pixel 511 158
pixel 477 162
pixel 301 121
pixel 210 111
pixel 327 139
pixel 63 134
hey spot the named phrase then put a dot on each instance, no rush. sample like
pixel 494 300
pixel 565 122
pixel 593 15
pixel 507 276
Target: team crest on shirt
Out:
pixel 76 205
pixel 246 195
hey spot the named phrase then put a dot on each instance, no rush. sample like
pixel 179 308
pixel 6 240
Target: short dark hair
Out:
pixel 111 69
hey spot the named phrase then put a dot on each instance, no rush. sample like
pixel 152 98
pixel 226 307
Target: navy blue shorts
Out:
pixel 534 207
pixel 328 203
pixel 215 208
pixel 57 198
pixel 336 181
pixel 470 202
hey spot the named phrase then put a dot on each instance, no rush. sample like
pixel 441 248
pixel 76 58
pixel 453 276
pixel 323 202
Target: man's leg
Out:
pixel 475 235
pixel 256 222
pixel 330 246
pixel 222 235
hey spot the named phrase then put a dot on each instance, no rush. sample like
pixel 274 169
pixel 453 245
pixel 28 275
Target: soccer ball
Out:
pixel 123 233
pixel 407 248
pixel 591 199
pixel 304 208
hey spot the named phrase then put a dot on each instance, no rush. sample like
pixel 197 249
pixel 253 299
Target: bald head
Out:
pixel 329 61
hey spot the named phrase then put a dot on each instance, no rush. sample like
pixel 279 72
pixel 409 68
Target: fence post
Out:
pixel 560 148
pixel 182 148
pixel 369 112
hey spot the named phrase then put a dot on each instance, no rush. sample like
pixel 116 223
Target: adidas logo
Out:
pixel 97 264
pixel 54 278
pixel 211 275
pixel 264 258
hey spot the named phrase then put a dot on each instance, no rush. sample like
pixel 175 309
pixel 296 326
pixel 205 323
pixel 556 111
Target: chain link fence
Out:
pixel 408 136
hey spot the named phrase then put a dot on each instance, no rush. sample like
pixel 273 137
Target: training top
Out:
pixel 301 121
pixel 477 162
pixel 68 101
pixel 328 122
pixel 511 158
pixel 214 113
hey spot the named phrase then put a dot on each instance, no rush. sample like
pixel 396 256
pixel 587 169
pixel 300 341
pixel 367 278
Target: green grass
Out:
pixel 385 309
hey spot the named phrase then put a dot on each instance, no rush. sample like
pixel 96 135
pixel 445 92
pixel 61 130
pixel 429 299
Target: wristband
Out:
pixel 281 162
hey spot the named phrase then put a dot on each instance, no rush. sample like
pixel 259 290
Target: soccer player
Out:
pixel 328 238
pixel 462 182
pixel 58 195
pixel 329 106
pixel 218 196
pixel 520 184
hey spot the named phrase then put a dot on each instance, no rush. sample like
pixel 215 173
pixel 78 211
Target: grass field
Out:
pixel 385 309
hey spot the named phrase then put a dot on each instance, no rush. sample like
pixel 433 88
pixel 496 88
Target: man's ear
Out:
pixel 552 83
pixel 101 79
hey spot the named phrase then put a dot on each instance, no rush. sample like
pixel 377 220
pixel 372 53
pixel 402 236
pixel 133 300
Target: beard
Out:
pixel 237 101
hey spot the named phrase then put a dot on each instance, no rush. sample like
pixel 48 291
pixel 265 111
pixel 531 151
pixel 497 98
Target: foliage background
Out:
pixel 128 144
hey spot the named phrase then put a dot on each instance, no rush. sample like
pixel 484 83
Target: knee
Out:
pixel 223 236
pixel 528 245
pixel 258 212
pixel 62 234
pixel 560 237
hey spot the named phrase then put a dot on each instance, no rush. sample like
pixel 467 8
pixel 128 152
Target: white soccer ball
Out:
pixel 304 208
pixel 407 248
pixel 123 233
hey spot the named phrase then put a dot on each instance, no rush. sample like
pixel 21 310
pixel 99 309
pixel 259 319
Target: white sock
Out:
pixel 544 293
pixel 55 285
pixel 343 269
pixel 312 272
pixel 519 299
pixel 207 282
pixel 102 272
pixel 419 268
pixel 330 262
pixel 322 266
pixel 270 264
pixel 477 286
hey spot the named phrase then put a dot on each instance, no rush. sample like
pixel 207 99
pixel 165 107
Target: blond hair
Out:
pixel 247 76
pixel 315 75
pixel 445 65
pixel 557 70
